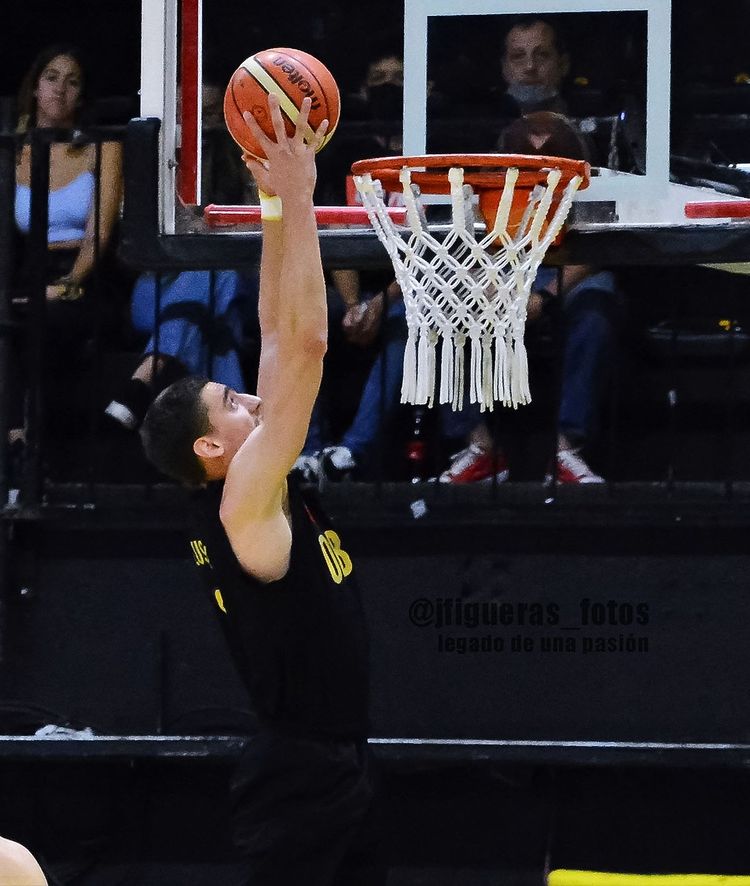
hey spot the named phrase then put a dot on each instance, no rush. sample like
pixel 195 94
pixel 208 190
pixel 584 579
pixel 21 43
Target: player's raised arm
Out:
pixel 293 316
pixel 270 270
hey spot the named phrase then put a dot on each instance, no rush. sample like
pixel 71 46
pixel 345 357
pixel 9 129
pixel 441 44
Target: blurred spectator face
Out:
pixel 533 67
pixel 386 70
pixel 212 108
pixel 58 92
pixel 384 87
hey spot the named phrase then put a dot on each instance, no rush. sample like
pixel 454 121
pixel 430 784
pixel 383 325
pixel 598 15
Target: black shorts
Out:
pixel 305 812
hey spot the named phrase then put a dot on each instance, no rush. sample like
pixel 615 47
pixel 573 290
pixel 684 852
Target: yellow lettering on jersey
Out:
pixel 339 563
pixel 220 600
pixel 200 553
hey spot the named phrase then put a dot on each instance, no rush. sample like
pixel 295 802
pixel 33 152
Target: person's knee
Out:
pixel 592 318
pixel 604 304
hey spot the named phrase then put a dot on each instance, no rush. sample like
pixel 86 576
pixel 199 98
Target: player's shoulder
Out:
pixel 262 541
pixel 18 867
pixel 243 506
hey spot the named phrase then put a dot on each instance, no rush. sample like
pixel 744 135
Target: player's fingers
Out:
pixel 319 135
pixel 257 169
pixel 252 162
pixel 254 127
pixel 276 119
pixel 304 113
pixel 303 132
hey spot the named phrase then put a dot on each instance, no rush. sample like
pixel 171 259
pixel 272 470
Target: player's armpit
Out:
pixel 263 547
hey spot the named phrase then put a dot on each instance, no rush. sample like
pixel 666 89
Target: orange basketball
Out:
pixel 292 75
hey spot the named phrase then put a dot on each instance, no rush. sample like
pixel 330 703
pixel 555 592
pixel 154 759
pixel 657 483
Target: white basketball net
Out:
pixel 458 289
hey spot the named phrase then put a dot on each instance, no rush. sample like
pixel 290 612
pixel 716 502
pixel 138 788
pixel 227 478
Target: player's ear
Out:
pixel 208 447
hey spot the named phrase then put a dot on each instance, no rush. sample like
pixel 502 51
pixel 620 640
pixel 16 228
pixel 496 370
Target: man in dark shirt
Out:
pixel 280 577
pixel 535 63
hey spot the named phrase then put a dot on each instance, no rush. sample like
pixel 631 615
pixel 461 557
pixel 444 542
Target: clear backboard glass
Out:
pixel 604 93
pixel 659 98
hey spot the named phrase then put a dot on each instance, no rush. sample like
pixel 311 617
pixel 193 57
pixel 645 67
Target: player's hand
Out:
pixel 259 171
pixel 362 321
pixel 55 291
pixel 393 291
pixel 291 159
pixel 534 307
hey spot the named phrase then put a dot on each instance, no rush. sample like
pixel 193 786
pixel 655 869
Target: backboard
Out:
pixel 658 167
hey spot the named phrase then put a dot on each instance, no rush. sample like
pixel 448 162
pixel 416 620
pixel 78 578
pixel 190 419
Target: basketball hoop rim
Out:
pixel 533 170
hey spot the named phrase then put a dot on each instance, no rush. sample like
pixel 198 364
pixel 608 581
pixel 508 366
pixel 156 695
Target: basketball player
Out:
pixel 18 867
pixel 279 575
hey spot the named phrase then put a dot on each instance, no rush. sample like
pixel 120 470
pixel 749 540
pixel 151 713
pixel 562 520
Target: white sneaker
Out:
pixel 337 462
pixel 122 414
pixel 571 468
pixel 307 468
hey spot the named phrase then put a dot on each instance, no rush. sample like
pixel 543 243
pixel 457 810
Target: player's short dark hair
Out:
pixel 527 21
pixel 174 422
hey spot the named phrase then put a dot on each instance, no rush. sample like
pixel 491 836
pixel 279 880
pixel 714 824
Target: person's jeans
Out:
pixel 381 392
pixel 197 326
pixel 380 395
pixel 590 313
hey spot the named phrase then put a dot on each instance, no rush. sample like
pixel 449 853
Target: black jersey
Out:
pixel 298 643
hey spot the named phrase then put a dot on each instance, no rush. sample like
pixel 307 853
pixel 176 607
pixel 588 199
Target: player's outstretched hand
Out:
pixel 289 170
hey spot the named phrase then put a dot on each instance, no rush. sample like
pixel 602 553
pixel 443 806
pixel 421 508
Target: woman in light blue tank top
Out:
pixel 51 96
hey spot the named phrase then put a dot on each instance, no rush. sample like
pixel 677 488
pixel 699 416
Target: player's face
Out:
pixel 233 416
pixel 58 92
pixel 531 57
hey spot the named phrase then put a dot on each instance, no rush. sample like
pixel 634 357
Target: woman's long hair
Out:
pixel 27 106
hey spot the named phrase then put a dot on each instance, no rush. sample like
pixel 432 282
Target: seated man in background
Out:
pixel 534 66
pixel 201 314
pixel 535 63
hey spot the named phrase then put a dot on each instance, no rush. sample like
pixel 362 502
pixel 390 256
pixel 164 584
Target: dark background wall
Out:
pixel 708 38
pixel 491 632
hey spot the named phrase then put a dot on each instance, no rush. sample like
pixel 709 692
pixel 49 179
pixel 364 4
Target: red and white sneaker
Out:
pixel 474 465
pixel 571 468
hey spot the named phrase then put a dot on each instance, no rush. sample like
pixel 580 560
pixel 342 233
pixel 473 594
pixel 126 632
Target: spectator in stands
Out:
pixel 201 313
pixel 199 331
pixel 377 325
pixel 373 311
pixel 52 96
pixel 224 178
pixel 18 867
pixel 534 65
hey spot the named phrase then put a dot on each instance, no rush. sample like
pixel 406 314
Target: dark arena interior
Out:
pixel 556 667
